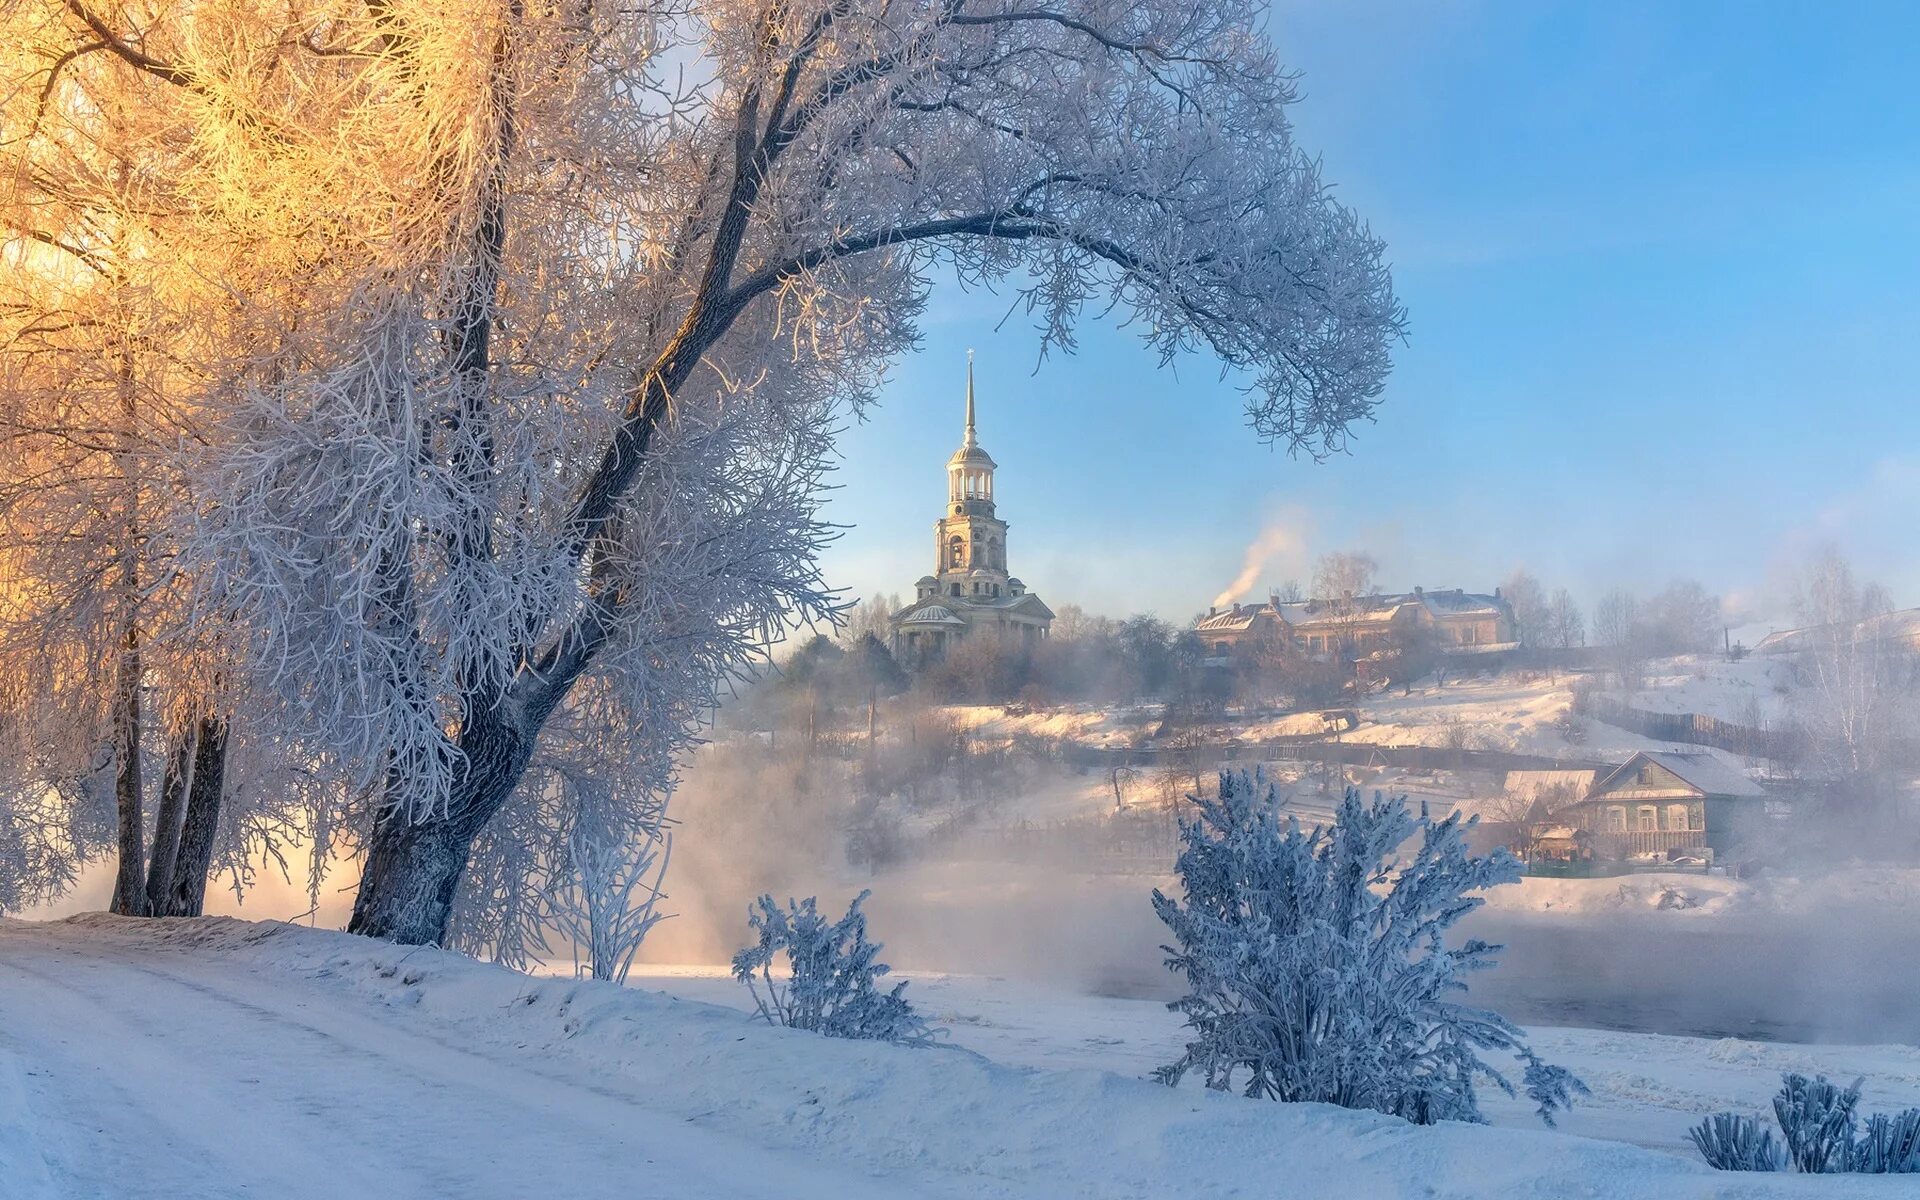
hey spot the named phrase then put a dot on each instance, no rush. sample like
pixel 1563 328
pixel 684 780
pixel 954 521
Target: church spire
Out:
pixel 970 438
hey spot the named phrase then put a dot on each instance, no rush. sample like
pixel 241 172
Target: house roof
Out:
pixel 1901 625
pixel 1706 773
pixel 1532 783
pixel 1376 609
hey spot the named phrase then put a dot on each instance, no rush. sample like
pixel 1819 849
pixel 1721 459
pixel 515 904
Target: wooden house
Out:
pixel 1663 801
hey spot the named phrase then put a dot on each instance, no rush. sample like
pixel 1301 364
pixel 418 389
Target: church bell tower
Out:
pixel 971 543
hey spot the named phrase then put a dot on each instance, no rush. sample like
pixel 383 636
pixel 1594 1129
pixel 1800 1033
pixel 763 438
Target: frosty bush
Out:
pixel 1730 1142
pixel 832 968
pixel 1818 1119
pixel 1316 962
pixel 1890 1145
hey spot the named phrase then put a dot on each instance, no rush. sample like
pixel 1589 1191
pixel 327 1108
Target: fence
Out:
pixel 1141 844
pixel 1420 758
pixel 1693 729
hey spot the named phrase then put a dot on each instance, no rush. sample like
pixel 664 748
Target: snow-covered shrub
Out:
pixel 830 985
pixel 1818 1120
pixel 1731 1142
pixel 610 899
pixel 1317 963
pixel 1889 1145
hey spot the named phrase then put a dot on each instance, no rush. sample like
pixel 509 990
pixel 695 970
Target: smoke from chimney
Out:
pixel 1281 536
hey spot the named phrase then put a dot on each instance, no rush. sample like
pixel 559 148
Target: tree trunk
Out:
pixel 166 826
pixel 414 867
pixel 413 870
pixel 129 891
pixel 187 897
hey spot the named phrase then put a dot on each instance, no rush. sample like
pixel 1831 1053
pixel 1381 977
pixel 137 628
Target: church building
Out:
pixel 970 589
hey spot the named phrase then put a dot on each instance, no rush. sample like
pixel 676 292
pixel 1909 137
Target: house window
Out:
pixel 1616 820
pixel 1649 819
pixel 1676 816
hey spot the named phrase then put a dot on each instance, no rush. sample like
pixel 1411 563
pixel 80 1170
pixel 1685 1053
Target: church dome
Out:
pixel 972 456
pixel 934 614
pixel 926 581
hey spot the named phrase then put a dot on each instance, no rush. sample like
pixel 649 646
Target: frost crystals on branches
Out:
pixel 1317 964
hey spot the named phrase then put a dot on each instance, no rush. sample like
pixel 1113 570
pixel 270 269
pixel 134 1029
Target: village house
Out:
pixel 970 589
pixel 1665 801
pixel 1456 623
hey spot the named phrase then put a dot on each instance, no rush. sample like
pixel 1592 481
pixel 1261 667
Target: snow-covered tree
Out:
pixel 1851 703
pixel 1343 575
pixel 563 303
pixel 1317 961
pixel 830 984
pixel 1528 600
pixel 107 367
pixel 1565 628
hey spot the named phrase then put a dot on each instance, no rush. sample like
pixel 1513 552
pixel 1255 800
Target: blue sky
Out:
pixel 1662 267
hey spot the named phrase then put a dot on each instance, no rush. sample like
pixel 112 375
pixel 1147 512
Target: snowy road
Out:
pixel 140 1081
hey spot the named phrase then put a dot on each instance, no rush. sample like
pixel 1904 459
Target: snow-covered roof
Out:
pixel 1901 625
pixel 1235 618
pixel 1380 608
pixel 1455 602
pixel 1531 784
pixel 1701 770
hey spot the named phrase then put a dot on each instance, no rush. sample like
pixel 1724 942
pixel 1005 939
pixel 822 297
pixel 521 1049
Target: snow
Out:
pixel 1751 691
pixel 1647 1088
pixel 218 1058
pixel 1857 891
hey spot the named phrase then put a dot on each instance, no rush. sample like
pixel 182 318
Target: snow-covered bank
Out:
pixel 1647 1088
pixel 310 1032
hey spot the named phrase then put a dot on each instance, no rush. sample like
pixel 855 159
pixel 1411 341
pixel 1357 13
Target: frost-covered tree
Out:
pixel 108 366
pixel 1317 961
pixel 830 984
pixel 564 303
pixel 1565 628
pixel 1851 703
pixel 1528 600
pixel 1344 574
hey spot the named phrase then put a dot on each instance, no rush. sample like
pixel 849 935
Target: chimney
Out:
pixel 1212 609
pixel 1236 608
pixel 1418 590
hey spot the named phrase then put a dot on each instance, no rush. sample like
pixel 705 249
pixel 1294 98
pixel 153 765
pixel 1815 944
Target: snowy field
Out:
pixel 218 1059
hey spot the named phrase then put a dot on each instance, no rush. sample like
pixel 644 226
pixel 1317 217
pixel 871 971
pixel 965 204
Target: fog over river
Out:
pixel 1843 973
